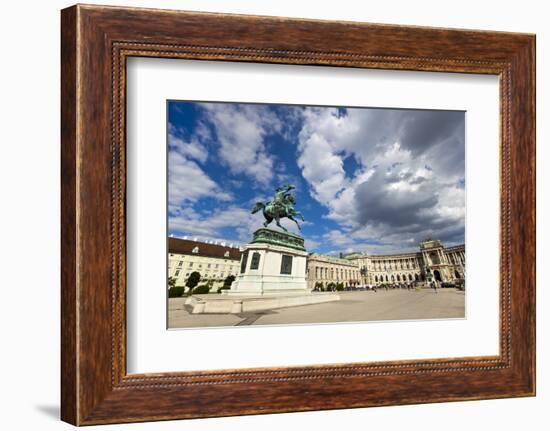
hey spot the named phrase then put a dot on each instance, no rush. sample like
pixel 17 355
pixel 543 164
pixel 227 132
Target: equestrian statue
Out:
pixel 281 206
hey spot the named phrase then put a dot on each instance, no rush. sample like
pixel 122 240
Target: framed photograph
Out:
pixel 324 214
pixel 374 184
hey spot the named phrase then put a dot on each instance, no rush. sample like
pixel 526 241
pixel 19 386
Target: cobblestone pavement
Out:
pixel 353 307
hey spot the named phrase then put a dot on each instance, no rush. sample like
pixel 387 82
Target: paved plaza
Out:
pixel 353 307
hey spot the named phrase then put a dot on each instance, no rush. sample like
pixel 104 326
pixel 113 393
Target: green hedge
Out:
pixel 176 291
pixel 201 290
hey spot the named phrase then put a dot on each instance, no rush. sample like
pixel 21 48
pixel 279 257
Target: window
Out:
pixel 243 261
pixel 180 263
pixel 209 266
pixel 434 257
pixel 286 264
pixel 216 266
pixel 177 273
pixel 190 264
pixel 255 263
pixel 195 250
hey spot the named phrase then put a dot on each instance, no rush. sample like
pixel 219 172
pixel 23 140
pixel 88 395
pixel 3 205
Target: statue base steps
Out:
pixel 272 275
pixel 236 304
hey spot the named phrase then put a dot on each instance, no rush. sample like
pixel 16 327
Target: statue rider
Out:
pixel 280 198
pixel 282 206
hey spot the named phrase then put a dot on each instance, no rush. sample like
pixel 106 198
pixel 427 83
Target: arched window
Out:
pixel 226 254
pixel 195 250
pixel 410 277
pixel 398 278
pixel 434 257
pixel 376 278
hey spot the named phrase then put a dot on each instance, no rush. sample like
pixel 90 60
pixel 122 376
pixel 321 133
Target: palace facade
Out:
pixel 432 262
pixel 214 262
pixel 322 270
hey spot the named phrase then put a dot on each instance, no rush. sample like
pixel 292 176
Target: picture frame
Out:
pixel 96 41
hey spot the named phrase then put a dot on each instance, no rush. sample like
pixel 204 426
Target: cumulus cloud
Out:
pixel 187 181
pixel 321 167
pixel 388 178
pixel 240 136
pixel 408 183
pixel 210 224
pixel 192 149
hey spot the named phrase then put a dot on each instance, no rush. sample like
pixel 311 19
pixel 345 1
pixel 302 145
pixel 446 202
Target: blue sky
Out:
pixel 371 180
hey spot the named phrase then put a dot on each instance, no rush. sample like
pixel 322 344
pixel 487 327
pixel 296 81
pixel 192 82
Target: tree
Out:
pixel 171 282
pixel 228 281
pixel 193 280
pixel 319 286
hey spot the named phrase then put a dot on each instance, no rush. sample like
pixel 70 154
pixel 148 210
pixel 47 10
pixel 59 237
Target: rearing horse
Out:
pixel 277 209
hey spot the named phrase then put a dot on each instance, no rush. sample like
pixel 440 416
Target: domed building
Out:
pixel 433 261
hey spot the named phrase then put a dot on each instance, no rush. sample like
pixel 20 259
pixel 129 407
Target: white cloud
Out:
pixel 192 149
pixel 240 136
pixel 321 167
pixel 400 193
pixel 209 225
pixel 403 187
pixel 187 182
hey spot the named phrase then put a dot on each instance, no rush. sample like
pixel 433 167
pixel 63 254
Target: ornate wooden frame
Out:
pixel 95 43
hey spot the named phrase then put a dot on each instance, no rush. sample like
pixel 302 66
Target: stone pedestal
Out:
pixel 273 263
pixel 272 276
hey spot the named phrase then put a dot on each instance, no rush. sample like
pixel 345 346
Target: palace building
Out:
pixel 324 270
pixel 432 262
pixel 214 262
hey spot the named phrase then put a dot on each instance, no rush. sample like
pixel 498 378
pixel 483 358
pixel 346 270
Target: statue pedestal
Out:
pixel 273 275
pixel 273 263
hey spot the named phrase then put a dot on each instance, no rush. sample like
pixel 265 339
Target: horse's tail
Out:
pixel 258 207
